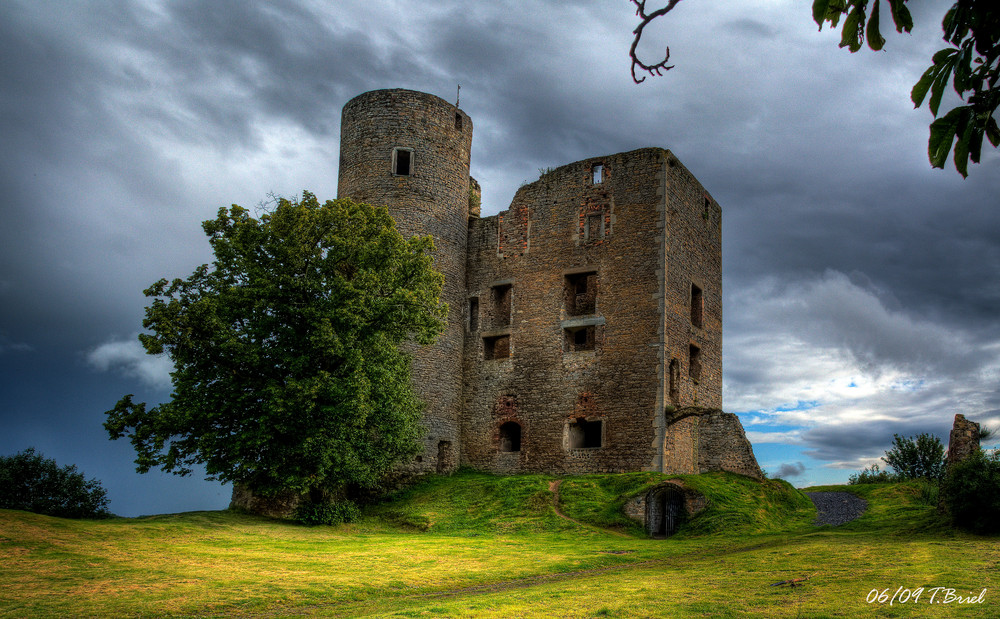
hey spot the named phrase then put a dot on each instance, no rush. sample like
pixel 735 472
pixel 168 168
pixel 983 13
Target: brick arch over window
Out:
pixel 585 405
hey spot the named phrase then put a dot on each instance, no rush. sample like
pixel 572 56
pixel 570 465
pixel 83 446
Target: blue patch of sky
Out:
pixel 772 456
pixel 801 405
pixel 908 385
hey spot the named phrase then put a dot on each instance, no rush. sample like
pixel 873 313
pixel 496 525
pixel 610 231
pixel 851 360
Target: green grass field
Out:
pixel 475 545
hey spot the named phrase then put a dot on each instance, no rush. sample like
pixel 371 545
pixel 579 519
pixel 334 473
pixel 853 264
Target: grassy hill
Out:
pixel 479 545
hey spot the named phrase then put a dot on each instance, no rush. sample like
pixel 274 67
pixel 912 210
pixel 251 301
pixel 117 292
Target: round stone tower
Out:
pixel 410 151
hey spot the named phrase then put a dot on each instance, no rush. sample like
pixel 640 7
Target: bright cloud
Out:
pixel 831 366
pixel 131 359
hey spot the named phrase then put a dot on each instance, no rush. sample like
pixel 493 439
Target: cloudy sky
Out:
pixel 862 287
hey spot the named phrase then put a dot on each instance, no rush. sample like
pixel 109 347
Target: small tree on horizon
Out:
pixel 920 457
pixel 31 482
pixel 288 373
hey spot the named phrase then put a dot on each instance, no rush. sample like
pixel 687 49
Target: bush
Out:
pixel 971 492
pixel 33 483
pixel 312 514
pixel 871 475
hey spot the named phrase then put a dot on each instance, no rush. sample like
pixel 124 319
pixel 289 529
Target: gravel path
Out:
pixel 836 508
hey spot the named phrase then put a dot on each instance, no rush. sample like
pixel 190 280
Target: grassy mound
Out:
pixel 470 502
pixel 734 503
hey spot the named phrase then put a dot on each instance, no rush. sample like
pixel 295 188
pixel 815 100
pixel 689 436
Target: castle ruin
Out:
pixel 585 323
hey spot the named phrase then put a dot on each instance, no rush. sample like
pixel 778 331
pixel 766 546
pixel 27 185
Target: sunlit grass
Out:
pixel 479 545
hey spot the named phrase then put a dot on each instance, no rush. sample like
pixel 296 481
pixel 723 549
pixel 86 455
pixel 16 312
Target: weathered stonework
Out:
pixel 581 319
pixel 653 508
pixel 282 505
pixel 963 441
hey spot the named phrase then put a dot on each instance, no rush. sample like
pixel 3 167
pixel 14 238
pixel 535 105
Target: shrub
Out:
pixel 971 492
pixel 33 483
pixel 312 514
pixel 871 475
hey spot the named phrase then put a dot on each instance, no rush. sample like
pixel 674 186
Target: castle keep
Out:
pixel 585 323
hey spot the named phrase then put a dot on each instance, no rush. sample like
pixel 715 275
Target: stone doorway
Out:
pixel 665 511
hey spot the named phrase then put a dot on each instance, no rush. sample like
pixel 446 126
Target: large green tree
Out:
pixel 288 373
pixel 971 62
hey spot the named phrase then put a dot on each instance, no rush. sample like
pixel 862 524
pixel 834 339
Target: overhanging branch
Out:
pixel 654 69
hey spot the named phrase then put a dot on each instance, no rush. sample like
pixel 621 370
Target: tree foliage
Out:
pixel 34 483
pixel 920 457
pixel 971 492
pixel 288 373
pixel 971 63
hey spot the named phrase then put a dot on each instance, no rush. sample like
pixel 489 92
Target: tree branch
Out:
pixel 658 68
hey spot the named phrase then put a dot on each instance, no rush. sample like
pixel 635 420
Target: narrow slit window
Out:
pixel 458 121
pixel 675 378
pixel 694 363
pixel 474 314
pixel 597 173
pixel 402 161
pixel 697 306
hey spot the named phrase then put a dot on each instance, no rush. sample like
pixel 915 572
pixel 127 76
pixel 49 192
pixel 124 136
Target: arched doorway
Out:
pixel 664 511
pixel 510 437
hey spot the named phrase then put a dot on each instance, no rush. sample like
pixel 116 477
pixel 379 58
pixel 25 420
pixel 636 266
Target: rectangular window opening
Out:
pixel 597 173
pixel 581 294
pixel 584 434
pixel 501 305
pixel 580 339
pixel 474 314
pixel 595 227
pixel 497 347
pixel 697 306
pixel 694 363
pixel 458 121
pixel 402 161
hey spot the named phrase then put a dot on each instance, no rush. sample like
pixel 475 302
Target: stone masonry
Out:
pixel 581 320
pixel 963 440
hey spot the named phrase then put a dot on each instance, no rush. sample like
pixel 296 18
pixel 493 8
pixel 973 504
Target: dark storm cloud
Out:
pixel 787 470
pixel 856 278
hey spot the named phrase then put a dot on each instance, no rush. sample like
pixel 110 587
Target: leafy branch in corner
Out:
pixel 654 69
pixel 971 64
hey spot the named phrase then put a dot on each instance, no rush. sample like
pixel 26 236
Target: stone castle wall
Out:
pixel 578 258
pixel 578 317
